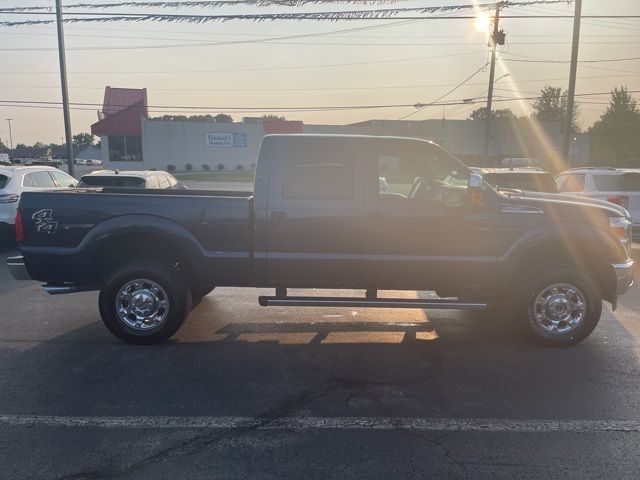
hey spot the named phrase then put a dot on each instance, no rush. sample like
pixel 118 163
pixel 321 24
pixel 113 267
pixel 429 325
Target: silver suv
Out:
pixel 617 185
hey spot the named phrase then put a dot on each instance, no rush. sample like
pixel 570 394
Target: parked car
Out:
pixel 317 218
pixel 617 185
pixel 80 161
pixel 41 161
pixel 15 180
pixel 147 179
pixel 93 162
pixel 522 178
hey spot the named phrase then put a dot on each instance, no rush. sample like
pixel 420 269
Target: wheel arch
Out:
pixel 583 247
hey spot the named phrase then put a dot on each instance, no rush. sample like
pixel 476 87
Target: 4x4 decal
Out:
pixel 44 221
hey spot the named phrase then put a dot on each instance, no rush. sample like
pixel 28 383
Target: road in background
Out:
pixel 471 398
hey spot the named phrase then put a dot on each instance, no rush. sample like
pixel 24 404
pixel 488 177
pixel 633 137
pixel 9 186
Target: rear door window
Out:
pixel 574 183
pixel 4 180
pixel 153 183
pixel 164 182
pixel 39 180
pixel 318 179
pixel 64 180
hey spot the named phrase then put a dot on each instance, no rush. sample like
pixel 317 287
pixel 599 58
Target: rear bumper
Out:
pixel 17 268
pixel 624 276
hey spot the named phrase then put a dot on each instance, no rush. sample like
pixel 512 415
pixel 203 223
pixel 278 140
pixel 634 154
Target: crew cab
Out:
pixel 318 217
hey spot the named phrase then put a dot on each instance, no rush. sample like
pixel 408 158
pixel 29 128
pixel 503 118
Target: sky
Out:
pixel 239 64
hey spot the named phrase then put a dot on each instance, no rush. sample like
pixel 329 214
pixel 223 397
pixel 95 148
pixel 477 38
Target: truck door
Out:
pixel 315 214
pixel 421 233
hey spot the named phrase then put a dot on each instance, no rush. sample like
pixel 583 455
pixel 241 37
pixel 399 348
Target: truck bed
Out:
pixel 64 229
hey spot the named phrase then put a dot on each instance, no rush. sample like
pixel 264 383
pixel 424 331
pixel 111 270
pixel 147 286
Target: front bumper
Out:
pixel 18 268
pixel 624 276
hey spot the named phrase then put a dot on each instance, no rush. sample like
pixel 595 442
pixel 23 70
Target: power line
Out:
pixel 378 14
pixel 317 89
pixel 422 107
pixel 283 108
pixel 274 3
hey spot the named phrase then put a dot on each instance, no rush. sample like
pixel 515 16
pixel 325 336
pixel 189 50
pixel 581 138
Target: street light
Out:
pixel 10 137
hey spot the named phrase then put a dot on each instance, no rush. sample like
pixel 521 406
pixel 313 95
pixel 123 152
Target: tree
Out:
pixel 500 114
pixel 3 147
pixel 82 140
pixel 39 145
pixel 272 116
pixel 21 145
pixel 615 137
pixel 551 105
pixel 223 118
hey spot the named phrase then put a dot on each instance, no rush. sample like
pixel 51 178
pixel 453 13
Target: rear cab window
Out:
pixel 111 181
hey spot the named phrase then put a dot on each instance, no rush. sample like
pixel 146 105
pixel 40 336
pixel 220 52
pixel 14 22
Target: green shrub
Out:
pixel 171 168
pixel 188 167
pixel 221 166
pixel 206 167
pixel 240 167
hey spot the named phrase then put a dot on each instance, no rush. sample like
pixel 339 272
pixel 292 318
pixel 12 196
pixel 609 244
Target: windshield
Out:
pixel 111 181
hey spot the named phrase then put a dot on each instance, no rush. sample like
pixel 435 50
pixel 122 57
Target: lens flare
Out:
pixel 482 23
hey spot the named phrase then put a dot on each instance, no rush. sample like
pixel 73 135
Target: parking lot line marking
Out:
pixel 328 423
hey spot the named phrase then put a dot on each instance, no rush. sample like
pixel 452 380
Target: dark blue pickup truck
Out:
pixel 370 213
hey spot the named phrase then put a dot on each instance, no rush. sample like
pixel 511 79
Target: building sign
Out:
pixel 225 139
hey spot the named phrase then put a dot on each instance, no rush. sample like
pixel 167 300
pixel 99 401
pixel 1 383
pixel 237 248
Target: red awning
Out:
pixel 281 126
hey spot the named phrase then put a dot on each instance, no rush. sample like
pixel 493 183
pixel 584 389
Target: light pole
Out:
pixel 63 83
pixel 10 137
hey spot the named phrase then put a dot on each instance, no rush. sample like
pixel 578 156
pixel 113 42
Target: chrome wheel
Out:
pixel 142 304
pixel 559 308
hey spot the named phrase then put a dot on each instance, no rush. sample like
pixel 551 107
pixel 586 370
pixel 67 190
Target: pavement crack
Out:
pixel 283 408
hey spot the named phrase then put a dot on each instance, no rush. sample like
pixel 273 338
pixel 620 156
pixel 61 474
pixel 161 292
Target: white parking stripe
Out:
pixel 329 423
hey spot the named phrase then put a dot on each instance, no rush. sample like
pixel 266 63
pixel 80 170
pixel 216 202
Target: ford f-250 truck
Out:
pixel 357 212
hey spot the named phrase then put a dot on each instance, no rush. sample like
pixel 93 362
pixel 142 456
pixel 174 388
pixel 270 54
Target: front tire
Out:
pixel 560 306
pixel 144 302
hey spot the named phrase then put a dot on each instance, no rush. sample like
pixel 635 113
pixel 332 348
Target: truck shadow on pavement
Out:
pixel 285 363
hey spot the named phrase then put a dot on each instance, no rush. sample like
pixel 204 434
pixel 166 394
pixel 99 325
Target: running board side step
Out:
pixel 436 304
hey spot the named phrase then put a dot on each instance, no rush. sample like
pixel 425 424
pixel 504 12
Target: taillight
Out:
pixel 621 200
pixel 19 227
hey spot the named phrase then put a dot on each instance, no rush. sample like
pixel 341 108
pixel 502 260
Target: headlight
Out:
pixel 621 228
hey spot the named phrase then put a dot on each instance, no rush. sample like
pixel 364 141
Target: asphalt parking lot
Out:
pixel 248 392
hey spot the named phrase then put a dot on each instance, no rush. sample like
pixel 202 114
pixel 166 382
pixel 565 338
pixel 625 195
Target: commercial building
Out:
pixel 132 140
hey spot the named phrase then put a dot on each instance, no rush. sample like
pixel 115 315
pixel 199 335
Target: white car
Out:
pixel 17 179
pixel 149 179
pixel 616 185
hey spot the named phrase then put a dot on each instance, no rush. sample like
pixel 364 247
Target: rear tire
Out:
pixel 144 302
pixel 559 306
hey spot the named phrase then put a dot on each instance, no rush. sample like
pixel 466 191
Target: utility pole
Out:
pixel 566 147
pixel 63 83
pixel 493 42
pixel 10 136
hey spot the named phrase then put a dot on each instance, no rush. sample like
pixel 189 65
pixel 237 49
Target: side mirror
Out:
pixel 475 189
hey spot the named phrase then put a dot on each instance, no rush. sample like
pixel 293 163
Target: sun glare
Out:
pixel 482 23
